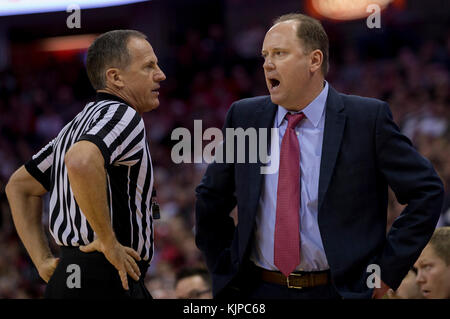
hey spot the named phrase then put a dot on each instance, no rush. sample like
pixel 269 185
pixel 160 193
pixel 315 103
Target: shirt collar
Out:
pixel 313 111
pixel 100 96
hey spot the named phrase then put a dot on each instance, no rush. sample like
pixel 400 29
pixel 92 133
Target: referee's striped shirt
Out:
pixel 119 132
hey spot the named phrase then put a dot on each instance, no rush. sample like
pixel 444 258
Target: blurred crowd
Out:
pixel 206 72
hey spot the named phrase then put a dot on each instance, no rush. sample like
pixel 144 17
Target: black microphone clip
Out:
pixel 155 206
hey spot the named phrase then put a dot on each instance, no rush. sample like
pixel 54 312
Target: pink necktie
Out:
pixel 287 231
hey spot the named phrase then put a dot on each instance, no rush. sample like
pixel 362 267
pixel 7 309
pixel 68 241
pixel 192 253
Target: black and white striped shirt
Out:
pixel 119 132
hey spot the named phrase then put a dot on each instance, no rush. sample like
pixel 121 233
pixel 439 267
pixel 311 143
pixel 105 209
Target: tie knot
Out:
pixel 294 119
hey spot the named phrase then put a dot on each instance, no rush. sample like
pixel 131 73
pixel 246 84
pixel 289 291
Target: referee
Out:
pixel 98 171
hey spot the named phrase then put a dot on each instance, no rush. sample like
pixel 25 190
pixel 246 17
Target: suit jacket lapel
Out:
pixel 333 132
pixel 264 118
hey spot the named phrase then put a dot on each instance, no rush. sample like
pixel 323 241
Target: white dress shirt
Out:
pixel 310 137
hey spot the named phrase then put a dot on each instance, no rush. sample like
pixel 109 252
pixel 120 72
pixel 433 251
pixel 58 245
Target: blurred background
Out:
pixel 210 52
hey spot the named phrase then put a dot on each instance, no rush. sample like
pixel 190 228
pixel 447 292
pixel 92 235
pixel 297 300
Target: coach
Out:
pixel 317 227
pixel 98 171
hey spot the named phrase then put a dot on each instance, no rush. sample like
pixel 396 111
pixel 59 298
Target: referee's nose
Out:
pixel 159 75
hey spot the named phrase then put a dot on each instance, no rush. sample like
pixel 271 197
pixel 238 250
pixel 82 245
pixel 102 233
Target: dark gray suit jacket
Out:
pixel 363 152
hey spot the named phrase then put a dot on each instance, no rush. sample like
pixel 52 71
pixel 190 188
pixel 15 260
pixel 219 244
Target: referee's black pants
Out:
pixel 82 275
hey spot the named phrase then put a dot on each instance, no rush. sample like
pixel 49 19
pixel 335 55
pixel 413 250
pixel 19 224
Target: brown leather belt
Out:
pixel 296 280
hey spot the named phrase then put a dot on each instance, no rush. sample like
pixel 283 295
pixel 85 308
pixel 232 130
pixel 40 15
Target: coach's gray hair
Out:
pixel 107 51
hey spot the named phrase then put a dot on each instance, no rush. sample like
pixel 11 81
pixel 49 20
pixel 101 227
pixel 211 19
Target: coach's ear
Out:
pixel 114 78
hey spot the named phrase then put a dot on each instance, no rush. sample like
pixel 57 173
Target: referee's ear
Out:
pixel 114 78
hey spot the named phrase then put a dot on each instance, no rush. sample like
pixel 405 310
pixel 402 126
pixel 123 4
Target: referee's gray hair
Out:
pixel 109 50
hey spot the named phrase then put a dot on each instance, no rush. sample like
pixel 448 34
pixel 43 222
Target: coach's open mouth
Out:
pixel 274 83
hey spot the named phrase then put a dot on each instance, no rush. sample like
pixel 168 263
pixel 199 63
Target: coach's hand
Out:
pixel 47 267
pixel 121 257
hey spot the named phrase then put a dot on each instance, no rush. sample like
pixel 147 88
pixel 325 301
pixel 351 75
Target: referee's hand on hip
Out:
pixel 121 257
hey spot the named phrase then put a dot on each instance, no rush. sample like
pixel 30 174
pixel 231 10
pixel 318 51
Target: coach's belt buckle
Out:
pixel 293 286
